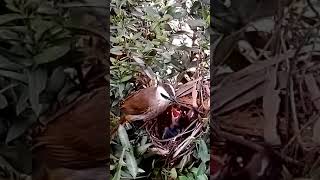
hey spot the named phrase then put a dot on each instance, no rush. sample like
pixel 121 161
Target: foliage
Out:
pixel 159 39
pixel 40 43
pixel 145 30
pixel 129 154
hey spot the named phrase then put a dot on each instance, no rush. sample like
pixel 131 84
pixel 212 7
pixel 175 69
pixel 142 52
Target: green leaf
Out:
pixel 131 164
pixel 10 17
pixel 124 139
pixel 13 75
pixel 8 87
pixel 18 127
pixel 203 151
pixel 173 173
pixel 22 102
pixel 144 140
pixel 19 156
pixel 183 178
pixel 3 102
pixel 201 169
pixel 47 8
pixel 141 170
pixel 77 4
pixel 143 148
pixel 196 22
pixel 8 65
pixel 57 80
pixel 40 26
pixel 37 83
pixel 117 175
pixel 117 50
pixel 88 30
pixel 52 53
pixel 194 170
pixel 202 177
pixel 126 78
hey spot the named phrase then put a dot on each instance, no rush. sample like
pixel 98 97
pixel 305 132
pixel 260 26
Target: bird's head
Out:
pixel 167 92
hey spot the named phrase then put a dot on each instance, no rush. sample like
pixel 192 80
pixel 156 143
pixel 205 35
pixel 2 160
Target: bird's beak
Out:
pixel 173 99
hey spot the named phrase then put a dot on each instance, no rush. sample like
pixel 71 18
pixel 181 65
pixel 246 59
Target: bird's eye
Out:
pixel 164 96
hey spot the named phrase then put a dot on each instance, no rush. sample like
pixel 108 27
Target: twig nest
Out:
pixel 173 132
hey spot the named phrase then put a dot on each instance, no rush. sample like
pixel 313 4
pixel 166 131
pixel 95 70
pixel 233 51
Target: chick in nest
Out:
pixel 175 126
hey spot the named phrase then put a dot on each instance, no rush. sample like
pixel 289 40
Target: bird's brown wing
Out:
pixel 134 105
pixel 77 139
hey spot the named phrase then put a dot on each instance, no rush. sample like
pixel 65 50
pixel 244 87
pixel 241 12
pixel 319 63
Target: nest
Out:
pixel 194 100
pixel 272 104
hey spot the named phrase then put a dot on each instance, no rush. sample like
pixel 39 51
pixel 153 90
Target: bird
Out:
pixel 77 135
pixel 146 104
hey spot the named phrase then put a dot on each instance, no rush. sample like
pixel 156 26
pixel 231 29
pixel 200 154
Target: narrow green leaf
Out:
pixel 202 177
pixel 126 78
pixel 47 8
pixel 143 148
pixel 141 170
pixel 131 164
pixel 13 75
pixel 8 87
pixel 22 102
pixel 5 18
pixel 183 178
pixel 89 30
pixel 144 140
pixel 37 83
pixel 203 151
pixel 116 50
pixel 77 4
pixel 3 102
pixel 19 127
pixel 117 175
pixel 201 169
pixel 8 65
pixel 124 139
pixel 51 54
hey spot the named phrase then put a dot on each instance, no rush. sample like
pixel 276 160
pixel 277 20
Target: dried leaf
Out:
pixel 271 104
pixel 225 48
pixel 194 96
pixel 249 96
pixel 229 92
pixel 258 66
pixel 185 87
pixel 316 131
pixel 313 89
